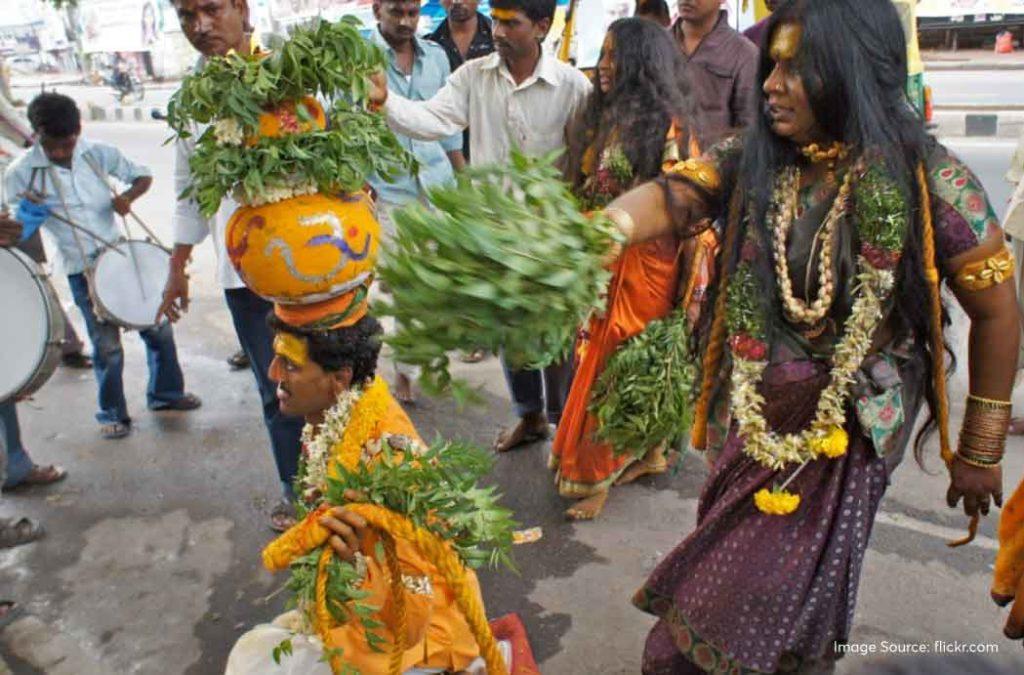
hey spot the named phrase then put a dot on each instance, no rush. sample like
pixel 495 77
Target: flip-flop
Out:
pixel 239 360
pixel 282 516
pixel 14 611
pixel 19 532
pixel 115 430
pixel 185 403
pixel 41 475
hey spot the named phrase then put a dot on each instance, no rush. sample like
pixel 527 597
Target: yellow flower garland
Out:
pixel 831 445
pixel 363 425
pixel 776 502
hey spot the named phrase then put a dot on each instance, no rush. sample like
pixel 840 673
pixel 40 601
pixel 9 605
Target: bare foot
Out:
pixel 587 508
pixel 532 427
pixel 653 462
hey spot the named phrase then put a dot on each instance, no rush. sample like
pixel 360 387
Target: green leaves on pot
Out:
pixel 330 60
pixel 503 260
pixel 645 395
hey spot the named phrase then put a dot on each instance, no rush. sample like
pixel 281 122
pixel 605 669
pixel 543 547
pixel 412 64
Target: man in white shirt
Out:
pixel 215 27
pixel 521 98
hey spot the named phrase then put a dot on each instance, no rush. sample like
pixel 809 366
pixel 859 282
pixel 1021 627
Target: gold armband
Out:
pixel 622 220
pixel 983 274
pixel 700 172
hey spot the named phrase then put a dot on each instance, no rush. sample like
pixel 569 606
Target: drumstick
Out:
pixel 72 224
pixel 131 213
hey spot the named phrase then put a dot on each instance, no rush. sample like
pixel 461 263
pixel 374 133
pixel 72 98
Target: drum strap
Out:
pixel 103 177
pixel 86 262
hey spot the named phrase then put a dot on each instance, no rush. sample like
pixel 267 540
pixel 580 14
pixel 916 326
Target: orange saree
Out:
pixel 647 280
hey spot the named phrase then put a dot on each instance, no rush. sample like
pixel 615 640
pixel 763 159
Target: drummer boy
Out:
pixel 71 176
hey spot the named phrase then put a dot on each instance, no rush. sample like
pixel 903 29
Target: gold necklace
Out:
pixel 784 215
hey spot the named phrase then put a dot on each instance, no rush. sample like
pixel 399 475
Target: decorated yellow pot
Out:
pixel 305 249
pixel 285 121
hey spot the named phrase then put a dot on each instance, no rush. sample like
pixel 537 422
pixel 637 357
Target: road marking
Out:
pixel 933 530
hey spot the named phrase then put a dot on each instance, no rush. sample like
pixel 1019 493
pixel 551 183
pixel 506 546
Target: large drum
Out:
pixel 33 326
pixel 128 283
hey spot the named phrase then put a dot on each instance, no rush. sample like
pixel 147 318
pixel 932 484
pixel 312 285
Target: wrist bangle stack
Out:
pixel 983 434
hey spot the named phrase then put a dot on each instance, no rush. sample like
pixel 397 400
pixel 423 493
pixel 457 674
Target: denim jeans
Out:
pixel 535 391
pixel 166 383
pixel 249 312
pixel 13 455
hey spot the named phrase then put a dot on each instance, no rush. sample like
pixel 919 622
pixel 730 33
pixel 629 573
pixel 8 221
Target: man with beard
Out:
pixel 215 27
pixel 517 98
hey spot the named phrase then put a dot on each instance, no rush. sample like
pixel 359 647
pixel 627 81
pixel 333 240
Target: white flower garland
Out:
pixel 228 132
pixel 320 439
pixel 775 450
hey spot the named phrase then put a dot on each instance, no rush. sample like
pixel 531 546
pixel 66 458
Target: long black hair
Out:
pixel 852 61
pixel 649 92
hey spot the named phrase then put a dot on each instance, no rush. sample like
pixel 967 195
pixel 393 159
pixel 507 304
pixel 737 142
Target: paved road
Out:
pixel 977 87
pixel 151 565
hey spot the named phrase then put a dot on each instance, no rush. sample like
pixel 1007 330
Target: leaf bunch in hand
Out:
pixel 501 260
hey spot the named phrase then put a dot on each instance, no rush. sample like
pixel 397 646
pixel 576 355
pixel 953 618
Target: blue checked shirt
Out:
pixel 430 72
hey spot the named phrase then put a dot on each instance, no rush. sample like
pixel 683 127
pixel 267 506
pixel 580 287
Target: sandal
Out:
pixel 9 611
pixel 282 516
pixel 115 430
pixel 19 532
pixel 76 360
pixel 41 475
pixel 239 360
pixel 186 402
pixel 475 356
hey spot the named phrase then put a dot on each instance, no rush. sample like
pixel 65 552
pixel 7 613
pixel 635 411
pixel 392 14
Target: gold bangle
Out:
pixel 984 274
pixel 989 402
pixel 971 462
pixel 701 172
pixel 622 220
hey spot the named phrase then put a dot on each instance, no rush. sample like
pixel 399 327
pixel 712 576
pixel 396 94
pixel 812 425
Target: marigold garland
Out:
pixel 776 502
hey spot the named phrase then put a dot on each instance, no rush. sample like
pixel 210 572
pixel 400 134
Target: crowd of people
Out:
pixel 776 188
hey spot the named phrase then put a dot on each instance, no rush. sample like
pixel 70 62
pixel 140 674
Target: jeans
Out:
pixel 166 383
pixel 535 391
pixel 249 312
pixel 15 463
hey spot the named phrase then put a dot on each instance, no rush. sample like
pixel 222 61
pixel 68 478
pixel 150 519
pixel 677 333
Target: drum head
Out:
pixel 130 287
pixel 26 319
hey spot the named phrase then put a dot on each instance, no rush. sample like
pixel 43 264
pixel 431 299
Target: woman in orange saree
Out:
pixel 630 129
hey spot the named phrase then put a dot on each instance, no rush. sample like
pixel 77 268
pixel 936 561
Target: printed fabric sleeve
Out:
pixel 189 225
pixel 443 115
pixel 961 212
pixel 114 162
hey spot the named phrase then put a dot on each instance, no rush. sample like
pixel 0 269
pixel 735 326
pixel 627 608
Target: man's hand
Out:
pixel 122 205
pixel 347 530
pixel 10 230
pixel 378 94
pixel 175 302
pixel 978 487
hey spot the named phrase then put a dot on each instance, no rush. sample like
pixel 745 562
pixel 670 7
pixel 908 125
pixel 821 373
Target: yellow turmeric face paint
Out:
pixel 786 42
pixel 503 14
pixel 291 347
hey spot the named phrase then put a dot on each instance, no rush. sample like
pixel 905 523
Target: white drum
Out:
pixel 127 289
pixel 33 326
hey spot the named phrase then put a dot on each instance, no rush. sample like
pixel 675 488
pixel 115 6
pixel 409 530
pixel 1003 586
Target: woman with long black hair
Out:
pixel 841 218
pixel 635 122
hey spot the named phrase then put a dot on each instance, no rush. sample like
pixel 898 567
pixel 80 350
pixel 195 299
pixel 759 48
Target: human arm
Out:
pixel 123 202
pixel 10 230
pixel 670 204
pixel 190 228
pixel 457 159
pixel 445 114
pixel 112 162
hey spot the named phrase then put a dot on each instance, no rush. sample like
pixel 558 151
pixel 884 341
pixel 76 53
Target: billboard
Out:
pixel 124 25
pixel 937 9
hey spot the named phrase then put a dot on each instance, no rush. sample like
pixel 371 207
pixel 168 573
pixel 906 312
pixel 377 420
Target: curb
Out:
pixel 978 122
pixel 118 113
pixel 972 65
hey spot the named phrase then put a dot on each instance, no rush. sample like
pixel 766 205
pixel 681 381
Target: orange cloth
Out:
pixel 437 633
pixel 646 279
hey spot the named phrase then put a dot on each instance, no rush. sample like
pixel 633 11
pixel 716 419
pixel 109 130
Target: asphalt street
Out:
pixel 152 560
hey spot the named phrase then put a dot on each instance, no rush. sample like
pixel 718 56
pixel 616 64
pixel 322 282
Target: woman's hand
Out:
pixel 977 486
